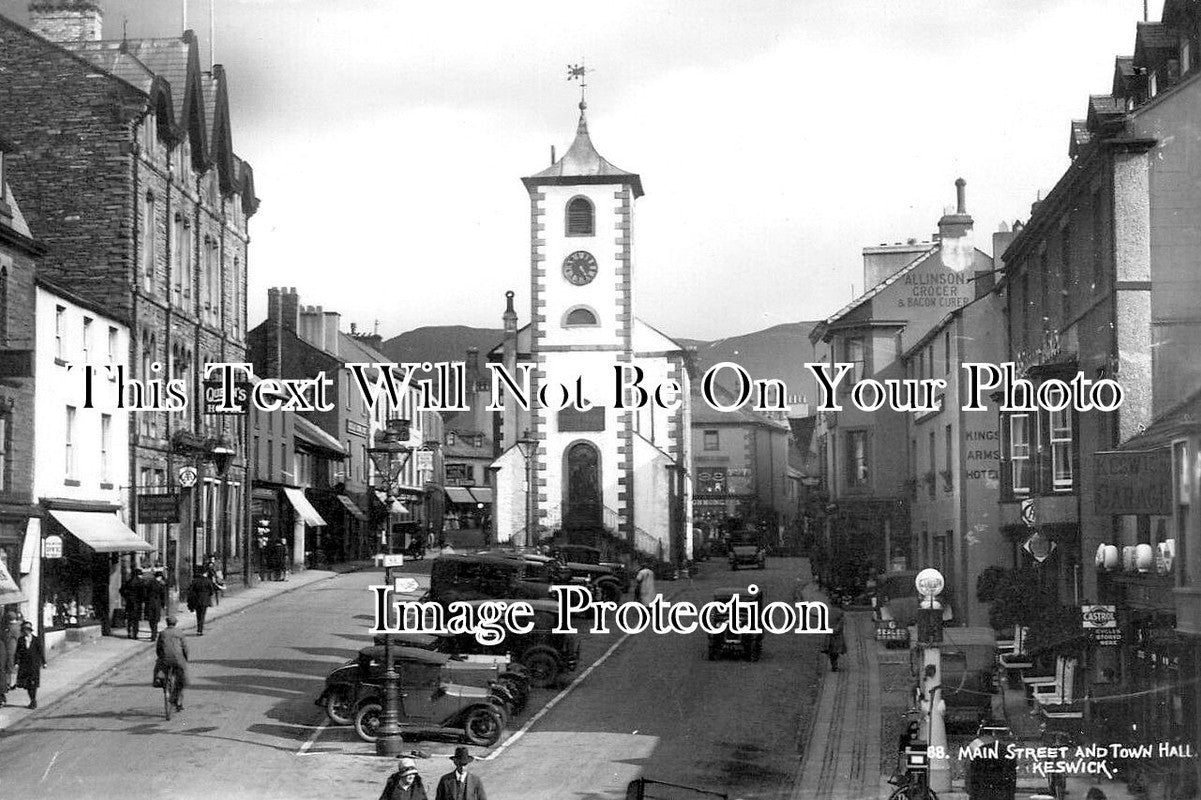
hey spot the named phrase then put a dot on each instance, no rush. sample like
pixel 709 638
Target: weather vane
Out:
pixel 578 72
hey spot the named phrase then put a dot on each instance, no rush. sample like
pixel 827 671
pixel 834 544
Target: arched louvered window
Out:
pixel 580 217
pixel 579 317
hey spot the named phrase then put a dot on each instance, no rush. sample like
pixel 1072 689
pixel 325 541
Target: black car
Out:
pixel 547 656
pixel 484 577
pixel 748 645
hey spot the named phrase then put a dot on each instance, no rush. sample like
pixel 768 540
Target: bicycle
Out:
pixel 169 685
pixel 913 785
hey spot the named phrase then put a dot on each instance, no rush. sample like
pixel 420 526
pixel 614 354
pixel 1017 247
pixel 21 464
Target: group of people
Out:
pixel 274 558
pixel 21 659
pixel 458 784
pixel 145 596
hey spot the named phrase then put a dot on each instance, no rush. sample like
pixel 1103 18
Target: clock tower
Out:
pixel 603 472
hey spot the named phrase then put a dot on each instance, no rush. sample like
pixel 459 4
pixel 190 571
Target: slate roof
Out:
pixel 1155 36
pixel 114 59
pixel 819 330
pixel 167 58
pixel 581 161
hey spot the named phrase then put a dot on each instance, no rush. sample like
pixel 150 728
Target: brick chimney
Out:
pixel 66 20
pixel 473 368
pixel 282 312
pixel 955 239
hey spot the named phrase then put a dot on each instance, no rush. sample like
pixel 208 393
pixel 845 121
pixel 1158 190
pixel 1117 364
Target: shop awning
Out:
pixel 10 590
pixel 395 507
pixel 303 507
pixel 458 494
pixel 102 531
pixel 352 507
pixel 31 548
pixel 482 494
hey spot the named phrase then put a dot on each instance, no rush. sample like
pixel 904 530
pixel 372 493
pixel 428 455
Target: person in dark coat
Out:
pixel 29 658
pixel 836 642
pixel 460 784
pixel 154 600
pixel 131 594
pixel 172 653
pixel 8 648
pixel 405 783
pixel 281 560
pixel 200 597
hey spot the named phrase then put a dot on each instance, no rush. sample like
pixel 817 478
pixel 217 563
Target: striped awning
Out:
pixel 303 507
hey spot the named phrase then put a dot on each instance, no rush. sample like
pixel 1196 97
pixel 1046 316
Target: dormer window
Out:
pixel 479 440
pixel 450 438
pixel 580 317
pixel 581 219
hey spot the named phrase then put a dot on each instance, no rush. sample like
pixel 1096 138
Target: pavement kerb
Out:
pixel 47 702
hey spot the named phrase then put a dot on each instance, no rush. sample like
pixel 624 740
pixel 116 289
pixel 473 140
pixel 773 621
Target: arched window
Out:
pixel 579 318
pixel 580 219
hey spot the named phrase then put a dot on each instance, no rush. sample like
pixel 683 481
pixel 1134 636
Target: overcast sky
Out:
pixel 774 139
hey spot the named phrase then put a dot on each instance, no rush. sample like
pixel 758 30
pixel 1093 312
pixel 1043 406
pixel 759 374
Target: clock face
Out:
pixel 579 268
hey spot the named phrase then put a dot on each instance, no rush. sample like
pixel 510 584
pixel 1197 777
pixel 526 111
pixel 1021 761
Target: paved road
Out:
pixel 655 706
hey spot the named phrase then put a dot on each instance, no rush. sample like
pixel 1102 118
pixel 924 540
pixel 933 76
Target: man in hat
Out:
pixel 154 600
pixel 172 654
pixel 131 594
pixel 460 785
pixel 405 783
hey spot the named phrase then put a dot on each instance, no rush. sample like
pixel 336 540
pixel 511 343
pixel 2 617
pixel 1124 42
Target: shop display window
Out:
pixel 70 596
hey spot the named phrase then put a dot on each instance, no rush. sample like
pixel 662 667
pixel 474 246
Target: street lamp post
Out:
pixel 528 447
pixel 389 458
pixel 222 456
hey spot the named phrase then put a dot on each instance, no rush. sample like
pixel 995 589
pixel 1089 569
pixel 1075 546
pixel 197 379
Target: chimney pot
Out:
pixel 960 196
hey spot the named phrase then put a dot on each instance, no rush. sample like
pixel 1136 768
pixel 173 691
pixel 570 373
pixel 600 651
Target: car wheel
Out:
pixel 368 721
pixel 543 669
pixel 483 727
pixel 339 709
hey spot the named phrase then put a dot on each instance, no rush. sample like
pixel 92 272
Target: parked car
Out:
pixel 749 645
pixel 547 656
pixel 745 552
pixel 969 656
pixel 431 703
pixel 894 607
pixel 470 669
pixel 575 555
pixel 484 577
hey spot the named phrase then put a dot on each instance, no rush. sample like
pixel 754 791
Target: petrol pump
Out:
pixel 930 583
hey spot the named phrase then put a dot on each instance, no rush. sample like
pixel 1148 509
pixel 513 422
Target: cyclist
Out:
pixel 172 652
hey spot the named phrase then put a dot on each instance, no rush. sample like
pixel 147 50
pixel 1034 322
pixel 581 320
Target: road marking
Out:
pixel 554 701
pixel 48 766
pixel 304 748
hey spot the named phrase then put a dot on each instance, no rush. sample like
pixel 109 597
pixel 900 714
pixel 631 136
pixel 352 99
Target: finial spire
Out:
pixel 579 72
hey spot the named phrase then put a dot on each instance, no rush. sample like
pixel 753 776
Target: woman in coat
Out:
pixel 405 783
pixel 30 659
pixel 836 643
pixel 200 597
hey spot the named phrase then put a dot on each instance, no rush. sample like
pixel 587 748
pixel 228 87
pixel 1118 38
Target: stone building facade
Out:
pixel 124 148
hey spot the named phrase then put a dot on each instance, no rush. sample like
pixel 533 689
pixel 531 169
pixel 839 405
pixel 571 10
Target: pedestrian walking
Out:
pixel 264 558
pixel 131 596
pixel 8 652
pixel 29 658
pixel 644 585
pixel 836 643
pixel 154 600
pixel 405 783
pixel 461 784
pixel 200 597
pixel 216 576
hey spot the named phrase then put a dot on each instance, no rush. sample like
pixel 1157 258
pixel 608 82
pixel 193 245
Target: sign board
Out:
pixel 887 630
pixel 187 477
pixel 1101 623
pixel 1029 515
pixel 52 547
pixel 711 480
pixel 1134 482
pixel 390 560
pixel 406 586
pixel 214 398
pixel 459 475
pixel 425 460
pixel 154 509
pixel 357 428
pixel 929 582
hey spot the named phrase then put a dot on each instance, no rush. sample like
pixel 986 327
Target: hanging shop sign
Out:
pixel 1101 625
pixel 187 477
pixel 425 460
pixel 214 399
pixel 155 509
pixel 52 547
pixel 1133 482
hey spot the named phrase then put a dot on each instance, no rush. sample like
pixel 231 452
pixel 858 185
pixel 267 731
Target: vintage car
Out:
pixel 482 669
pixel 431 704
pixel 968 675
pixel 485 577
pixel 547 656
pixel 894 607
pixel 747 552
pixel 748 645
pixel 582 559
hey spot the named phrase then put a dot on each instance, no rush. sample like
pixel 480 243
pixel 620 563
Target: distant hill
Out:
pixel 441 343
pixel 777 352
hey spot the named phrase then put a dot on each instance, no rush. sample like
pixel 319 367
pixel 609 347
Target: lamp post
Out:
pixel 222 456
pixel 528 447
pixel 389 458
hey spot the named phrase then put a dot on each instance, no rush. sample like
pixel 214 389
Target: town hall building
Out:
pixel 607 476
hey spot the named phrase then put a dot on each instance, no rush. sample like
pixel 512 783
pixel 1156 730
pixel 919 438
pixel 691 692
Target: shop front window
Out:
pixel 74 587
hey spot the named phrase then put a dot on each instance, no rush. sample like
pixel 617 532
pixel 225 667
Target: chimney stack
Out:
pixel 955 232
pixel 66 20
pixel 473 369
pixel 960 196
